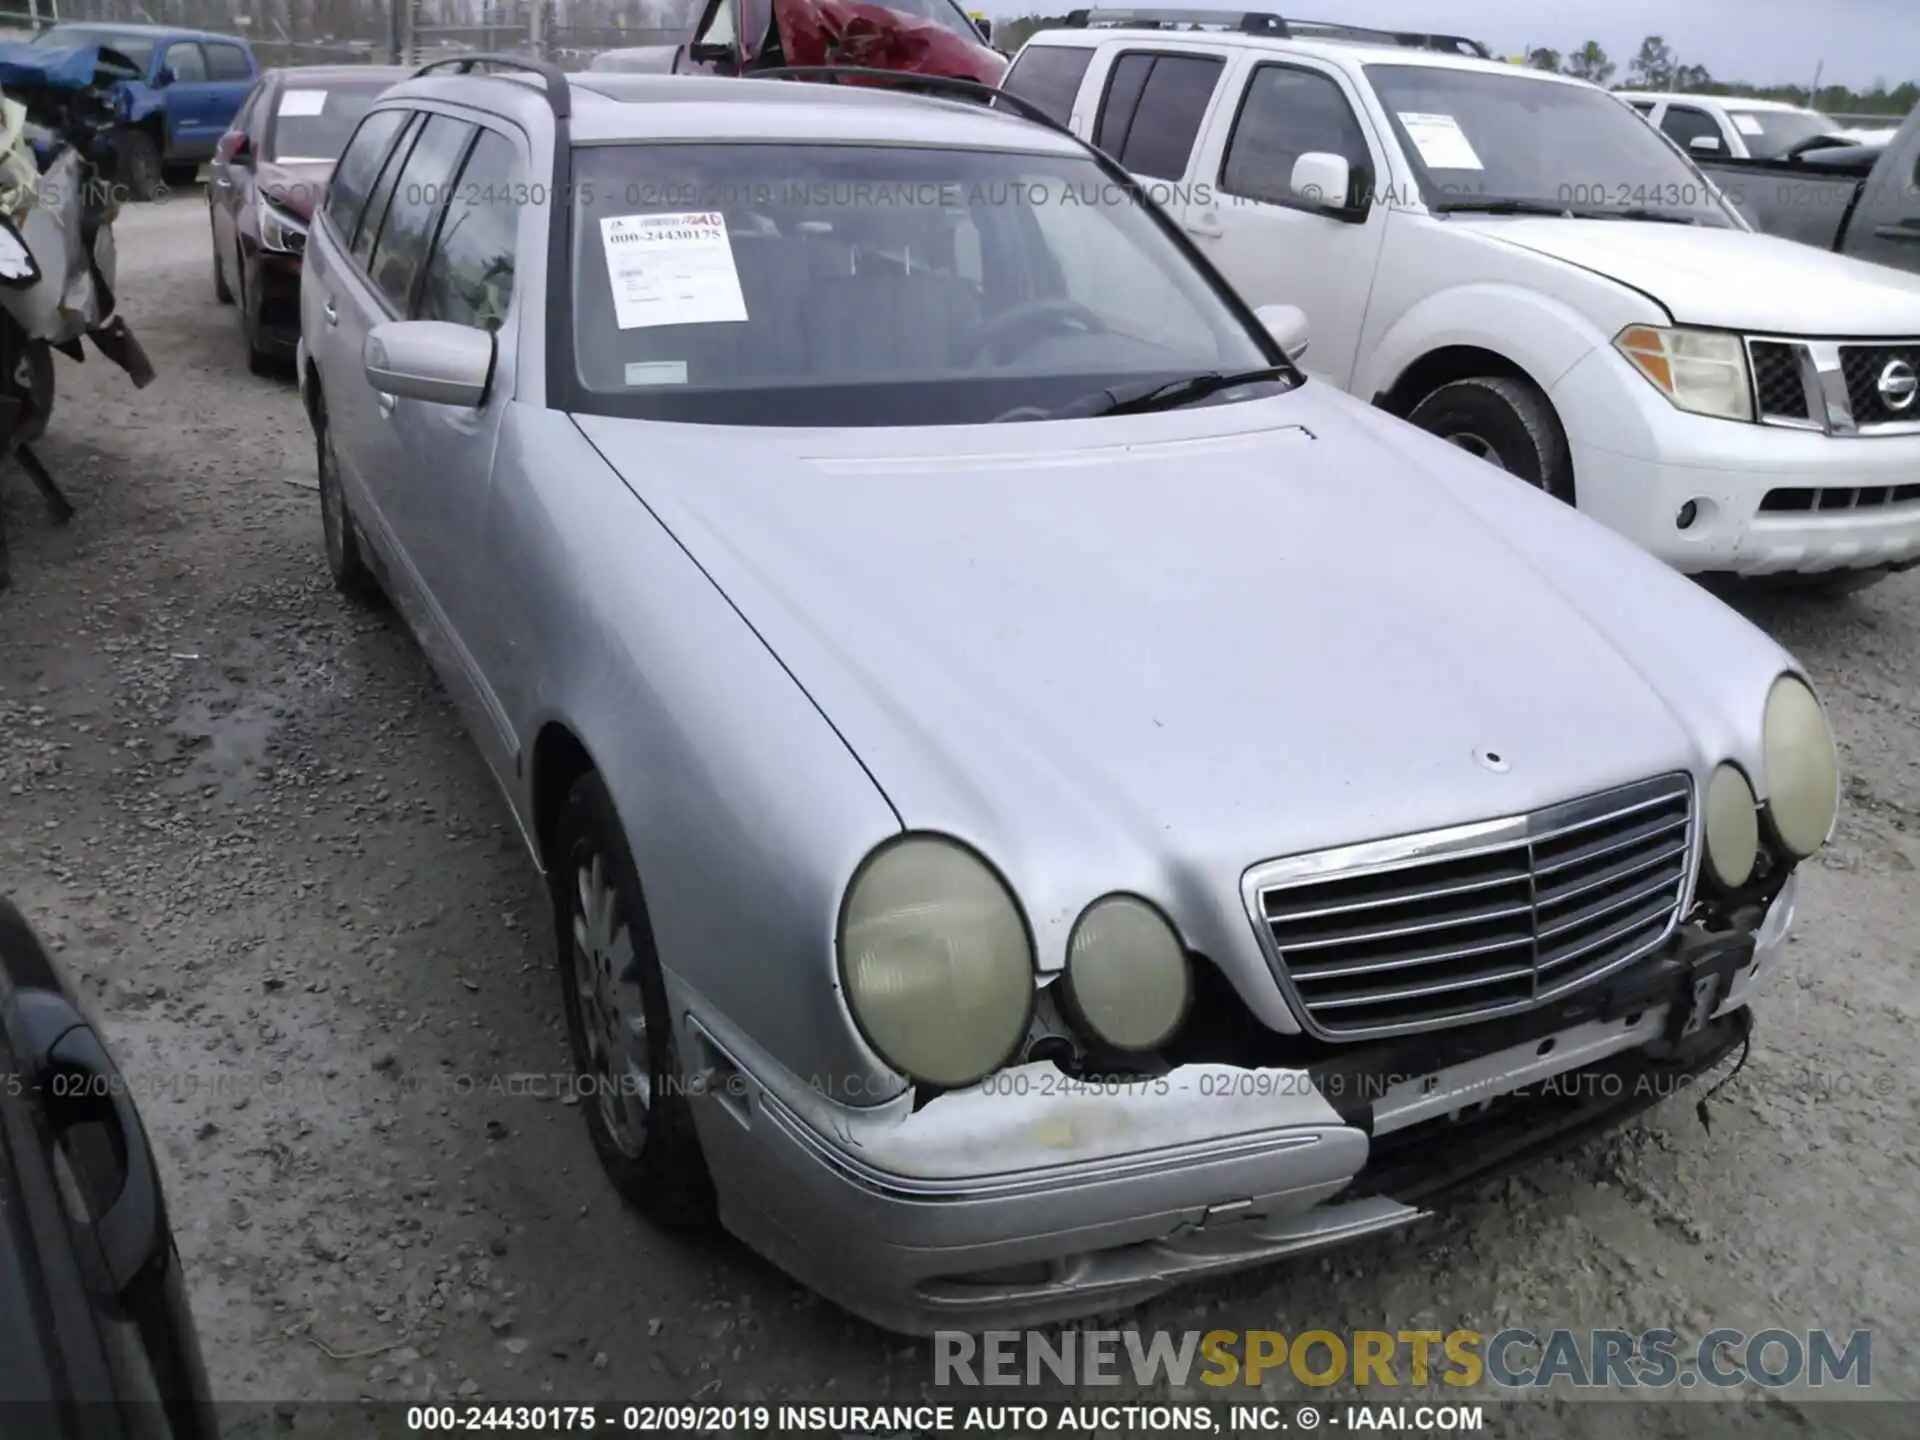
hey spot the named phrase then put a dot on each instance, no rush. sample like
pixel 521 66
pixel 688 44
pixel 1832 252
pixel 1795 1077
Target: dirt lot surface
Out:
pixel 247 819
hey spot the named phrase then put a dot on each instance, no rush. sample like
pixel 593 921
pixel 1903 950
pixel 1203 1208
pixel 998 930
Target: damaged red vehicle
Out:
pixel 739 37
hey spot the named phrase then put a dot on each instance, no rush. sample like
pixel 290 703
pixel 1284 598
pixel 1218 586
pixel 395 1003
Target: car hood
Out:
pixel 1731 279
pixel 1216 638
pixel 296 187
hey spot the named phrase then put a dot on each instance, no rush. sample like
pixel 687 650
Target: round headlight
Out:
pixel 1803 767
pixel 1127 973
pixel 936 961
pixel 1733 827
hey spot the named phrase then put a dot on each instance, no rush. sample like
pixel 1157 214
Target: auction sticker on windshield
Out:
pixel 1442 144
pixel 303 102
pixel 1747 124
pixel 672 269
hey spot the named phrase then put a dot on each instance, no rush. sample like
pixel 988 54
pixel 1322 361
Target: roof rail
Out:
pixel 1247 22
pixel 559 94
pixel 1413 40
pixel 1452 44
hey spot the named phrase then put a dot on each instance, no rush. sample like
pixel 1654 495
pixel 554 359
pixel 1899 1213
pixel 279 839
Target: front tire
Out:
pixel 140 169
pixel 618 1020
pixel 1505 421
pixel 351 575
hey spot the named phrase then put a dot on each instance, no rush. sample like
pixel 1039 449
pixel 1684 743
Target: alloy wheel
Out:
pixel 612 1018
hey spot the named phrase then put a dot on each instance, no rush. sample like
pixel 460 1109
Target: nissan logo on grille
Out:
pixel 1898 385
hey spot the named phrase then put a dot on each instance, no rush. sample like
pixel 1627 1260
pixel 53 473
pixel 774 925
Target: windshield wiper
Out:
pixel 1172 394
pixel 1664 217
pixel 1501 207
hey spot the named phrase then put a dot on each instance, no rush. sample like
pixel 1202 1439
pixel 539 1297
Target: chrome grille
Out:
pixel 1434 930
pixel 1832 385
pixel 1863 366
pixel 1777 385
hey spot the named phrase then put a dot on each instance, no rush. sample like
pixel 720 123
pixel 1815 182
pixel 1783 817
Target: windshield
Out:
pixel 940 12
pixel 136 47
pixel 315 121
pixel 824 285
pixel 1771 133
pixel 1475 135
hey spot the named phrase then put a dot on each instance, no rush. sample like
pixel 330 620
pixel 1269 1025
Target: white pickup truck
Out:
pixel 1516 262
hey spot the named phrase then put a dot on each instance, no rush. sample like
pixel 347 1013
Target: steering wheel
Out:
pixel 1031 321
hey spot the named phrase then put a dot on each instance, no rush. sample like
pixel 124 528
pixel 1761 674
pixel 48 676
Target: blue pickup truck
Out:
pixel 190 87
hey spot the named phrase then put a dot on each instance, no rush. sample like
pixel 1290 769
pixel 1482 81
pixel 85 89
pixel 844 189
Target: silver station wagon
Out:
pixel 1041 801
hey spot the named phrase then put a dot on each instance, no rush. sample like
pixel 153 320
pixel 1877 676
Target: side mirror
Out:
pixel 431 360
pixel 165 78
pixel 985 27
pixel 1705 144
pixel 1287 324
pixel 18 269
pixel 1322 179
pixel 234 148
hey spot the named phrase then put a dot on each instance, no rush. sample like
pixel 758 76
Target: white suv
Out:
pixel 1512 260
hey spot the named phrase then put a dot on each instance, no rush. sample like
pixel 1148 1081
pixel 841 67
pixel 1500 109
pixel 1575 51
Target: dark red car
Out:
pixel 269 171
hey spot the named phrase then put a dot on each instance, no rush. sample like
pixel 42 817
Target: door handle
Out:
pixel 332 312
pixel 384 402
pixel 1908 233
pixel 1206 226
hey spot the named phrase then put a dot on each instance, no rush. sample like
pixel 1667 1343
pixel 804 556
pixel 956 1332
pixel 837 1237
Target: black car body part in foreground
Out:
pixel 96 1339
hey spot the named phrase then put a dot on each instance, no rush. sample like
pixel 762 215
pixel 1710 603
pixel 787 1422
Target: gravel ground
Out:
pixel 247 819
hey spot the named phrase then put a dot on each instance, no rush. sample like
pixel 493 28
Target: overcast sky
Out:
pixel 1763 41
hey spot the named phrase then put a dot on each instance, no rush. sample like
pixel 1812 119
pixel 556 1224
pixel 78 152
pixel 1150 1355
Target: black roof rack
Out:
pixel 1247 22
pixel 1257 22
pixel 559 95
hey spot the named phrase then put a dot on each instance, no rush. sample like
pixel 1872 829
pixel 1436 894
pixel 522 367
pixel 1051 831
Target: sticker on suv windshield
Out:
pixel 1746 124
pixel 657 372
pixel 673 269
pixel 1442 144
pixel 302 102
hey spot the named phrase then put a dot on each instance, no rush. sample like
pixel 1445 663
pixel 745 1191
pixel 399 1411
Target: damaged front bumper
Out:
pixel 1034 1198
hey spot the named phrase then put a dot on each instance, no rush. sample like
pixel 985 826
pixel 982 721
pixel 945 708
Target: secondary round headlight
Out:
pixel 1127 973
pixel 1733 827
pixel 937 961
pixel 1803 767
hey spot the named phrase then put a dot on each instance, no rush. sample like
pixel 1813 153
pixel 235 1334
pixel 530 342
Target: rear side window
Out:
pixel 1049 76
pixel 1152 111
pixel 359 167
pixel 227 62
pixel 426 180
pixel 1288 113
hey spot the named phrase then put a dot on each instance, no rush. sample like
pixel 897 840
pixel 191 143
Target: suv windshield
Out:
pixel 1771 133
pixel 1475 136
pixel 313 120
pixel 830 285
pixel 136 47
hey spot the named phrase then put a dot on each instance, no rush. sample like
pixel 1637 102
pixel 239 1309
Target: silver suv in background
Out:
pixel 1010 851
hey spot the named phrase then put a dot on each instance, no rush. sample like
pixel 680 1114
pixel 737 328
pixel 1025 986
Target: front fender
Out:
pixel 1545 337
pixel 140 103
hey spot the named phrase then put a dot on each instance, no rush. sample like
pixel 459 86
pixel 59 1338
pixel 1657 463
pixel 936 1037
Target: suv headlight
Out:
pixel 1127 973
pixel 1803 767
pixel 1704 371
pixel 281 231
pixel 936 960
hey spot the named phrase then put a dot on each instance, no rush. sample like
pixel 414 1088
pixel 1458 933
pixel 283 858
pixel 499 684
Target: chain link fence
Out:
pixel 330 32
